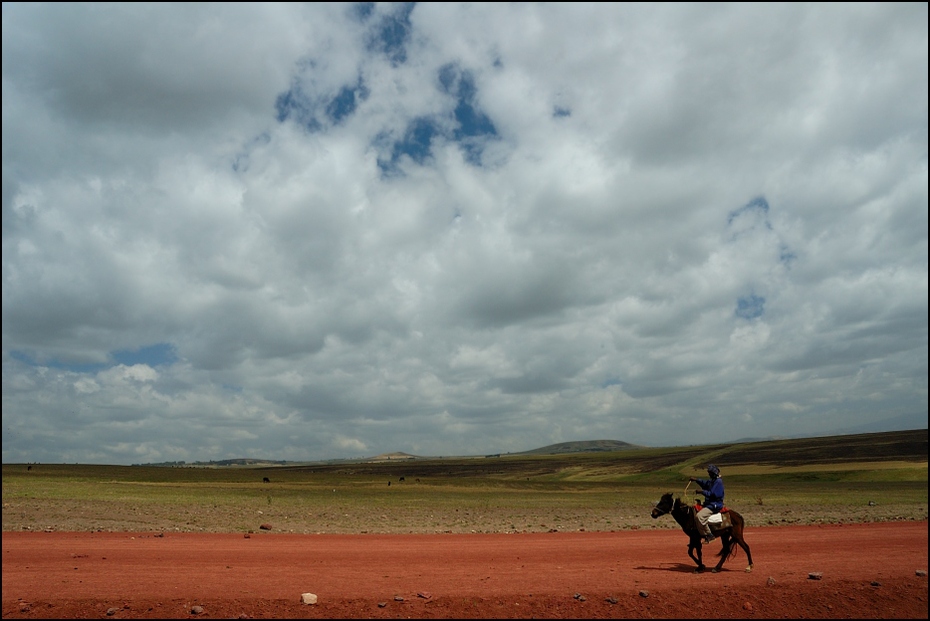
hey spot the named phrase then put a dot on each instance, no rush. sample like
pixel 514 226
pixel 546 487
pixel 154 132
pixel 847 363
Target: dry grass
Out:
pixel 583 491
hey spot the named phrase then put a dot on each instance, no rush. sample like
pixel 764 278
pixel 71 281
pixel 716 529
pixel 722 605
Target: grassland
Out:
pixel 829 480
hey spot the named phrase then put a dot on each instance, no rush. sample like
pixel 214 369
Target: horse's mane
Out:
pixel 686 517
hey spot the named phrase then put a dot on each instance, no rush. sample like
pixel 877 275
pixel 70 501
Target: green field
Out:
pixel 830 480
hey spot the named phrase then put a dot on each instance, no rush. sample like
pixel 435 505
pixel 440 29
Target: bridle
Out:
pixel 685 507
pixel 655 507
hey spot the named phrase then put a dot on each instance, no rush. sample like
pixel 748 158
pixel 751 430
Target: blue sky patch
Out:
pixel 297 105
pixel 448 78
pixel 363 10
pixel 294 105
pixel 54 363
pixel 158 354
pixel 757 204
pixel 750 307
pixel 559 112
pixel 473 125
pixel 155 355
pixel 392 34
pixel 418 140
pixel 416 144
pixel 472 122
pixel 346 101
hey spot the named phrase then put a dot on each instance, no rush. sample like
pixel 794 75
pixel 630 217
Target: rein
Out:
pixel 687 505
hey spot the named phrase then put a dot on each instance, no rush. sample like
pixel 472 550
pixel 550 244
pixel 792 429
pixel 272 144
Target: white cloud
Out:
pixel 485 228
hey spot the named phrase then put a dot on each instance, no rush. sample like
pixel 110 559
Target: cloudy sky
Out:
pixel 317 231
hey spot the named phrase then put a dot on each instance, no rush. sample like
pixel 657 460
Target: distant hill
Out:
pixel 396 456
pixel 908 445
pixel 877 446
pixel 221 463
pixel 584 446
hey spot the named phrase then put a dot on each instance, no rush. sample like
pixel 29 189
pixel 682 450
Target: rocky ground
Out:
pixel 69 515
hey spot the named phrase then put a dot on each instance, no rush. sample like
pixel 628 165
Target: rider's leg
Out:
pixel 702 516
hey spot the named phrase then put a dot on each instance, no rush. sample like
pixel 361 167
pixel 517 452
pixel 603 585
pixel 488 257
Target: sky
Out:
pixel 309 232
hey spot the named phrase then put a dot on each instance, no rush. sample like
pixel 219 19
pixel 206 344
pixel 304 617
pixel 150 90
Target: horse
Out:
pixel 685 516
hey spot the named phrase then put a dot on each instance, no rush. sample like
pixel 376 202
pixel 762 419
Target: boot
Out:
pixel 709 538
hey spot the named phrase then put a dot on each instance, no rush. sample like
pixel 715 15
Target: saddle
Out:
pixel 717 521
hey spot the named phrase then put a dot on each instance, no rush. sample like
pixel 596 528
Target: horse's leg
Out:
pixel 745 546
pixel 724 552
pixel 738 535
pixel 691 554
pixel 695 545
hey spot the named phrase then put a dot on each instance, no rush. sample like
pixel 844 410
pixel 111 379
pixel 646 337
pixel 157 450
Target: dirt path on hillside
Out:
pixel 868 571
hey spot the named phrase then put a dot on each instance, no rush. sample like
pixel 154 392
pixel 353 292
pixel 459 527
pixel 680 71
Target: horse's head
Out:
pixel 663 506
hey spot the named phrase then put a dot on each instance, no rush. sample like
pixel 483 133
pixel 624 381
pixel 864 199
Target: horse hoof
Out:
pixel 714 570
pixel 749 569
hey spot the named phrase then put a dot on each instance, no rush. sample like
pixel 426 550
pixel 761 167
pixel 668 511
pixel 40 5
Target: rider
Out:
pixel 712 489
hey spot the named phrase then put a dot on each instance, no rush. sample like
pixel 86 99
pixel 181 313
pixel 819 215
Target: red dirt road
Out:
pixel 868 571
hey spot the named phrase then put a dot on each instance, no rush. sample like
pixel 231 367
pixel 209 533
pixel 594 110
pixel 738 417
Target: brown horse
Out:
pixel 685 516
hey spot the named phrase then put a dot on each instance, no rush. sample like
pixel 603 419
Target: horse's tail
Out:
pixel 729 548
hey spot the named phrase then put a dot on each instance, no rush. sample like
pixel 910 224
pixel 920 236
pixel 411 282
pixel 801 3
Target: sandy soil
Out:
pixel 868 571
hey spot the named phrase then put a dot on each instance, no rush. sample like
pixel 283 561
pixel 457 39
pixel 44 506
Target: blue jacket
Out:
pixel 713 493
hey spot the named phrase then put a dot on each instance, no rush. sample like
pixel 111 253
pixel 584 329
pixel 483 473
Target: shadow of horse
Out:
pixel 676 567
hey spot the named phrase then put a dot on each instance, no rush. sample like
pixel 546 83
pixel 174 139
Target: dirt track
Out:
pixel 869 571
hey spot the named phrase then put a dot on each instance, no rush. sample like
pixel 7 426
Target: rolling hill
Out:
pixel 584 446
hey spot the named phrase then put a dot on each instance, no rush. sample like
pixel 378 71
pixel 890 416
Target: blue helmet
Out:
pixel 713 470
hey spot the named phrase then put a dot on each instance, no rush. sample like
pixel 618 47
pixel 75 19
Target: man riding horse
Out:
pixel 712 489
